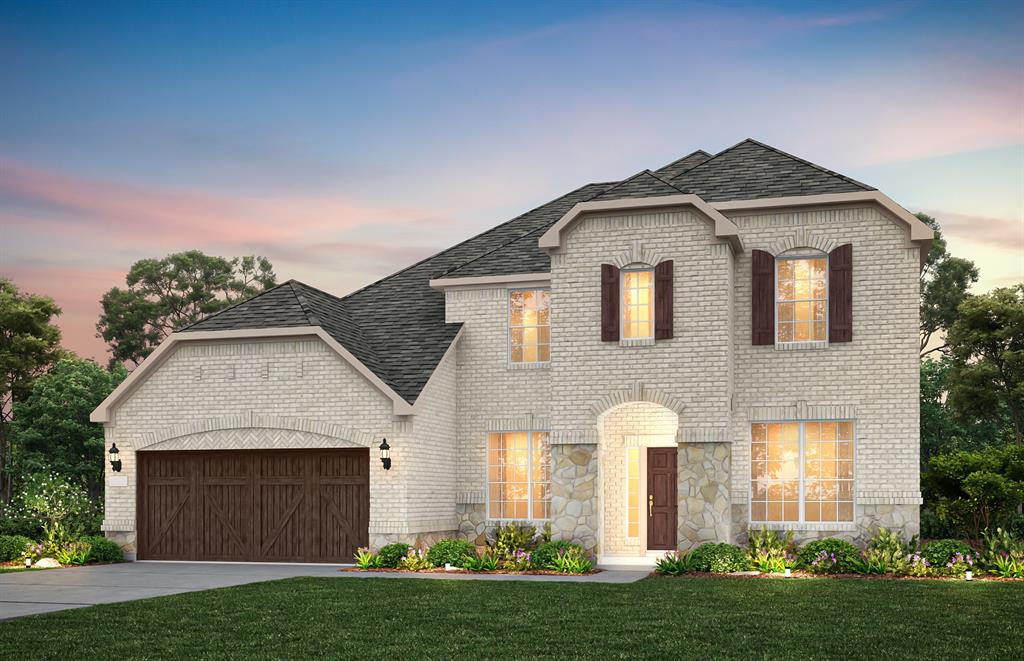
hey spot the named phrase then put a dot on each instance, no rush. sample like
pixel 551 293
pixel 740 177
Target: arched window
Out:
pixel 801 296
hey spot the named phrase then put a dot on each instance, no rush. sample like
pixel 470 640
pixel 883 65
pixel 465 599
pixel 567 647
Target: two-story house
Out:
pixel 727 342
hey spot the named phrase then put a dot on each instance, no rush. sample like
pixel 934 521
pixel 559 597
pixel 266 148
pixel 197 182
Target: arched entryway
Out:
pixel 638 477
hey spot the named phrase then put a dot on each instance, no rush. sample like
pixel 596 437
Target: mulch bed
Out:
pixel 442 570
pixel 866 577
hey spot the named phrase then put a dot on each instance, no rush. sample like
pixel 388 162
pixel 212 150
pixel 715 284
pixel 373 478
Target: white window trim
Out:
pixel 522 365
pixel 529 488
pixel 801 344
pixel 635 341
pixel 802 524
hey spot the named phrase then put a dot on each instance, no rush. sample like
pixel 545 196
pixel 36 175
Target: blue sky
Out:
pixel 345 140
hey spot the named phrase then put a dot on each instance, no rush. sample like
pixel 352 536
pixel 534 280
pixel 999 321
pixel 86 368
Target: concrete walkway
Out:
pixel 44 591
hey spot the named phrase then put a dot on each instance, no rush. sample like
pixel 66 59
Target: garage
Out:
pixel 253 506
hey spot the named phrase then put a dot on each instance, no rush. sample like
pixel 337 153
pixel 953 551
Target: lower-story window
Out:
pixel 801 471
pixel 518 475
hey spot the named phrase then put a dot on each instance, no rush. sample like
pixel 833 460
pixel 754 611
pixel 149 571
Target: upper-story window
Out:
pixel 529 326
pixel 638 303
pixel 801 298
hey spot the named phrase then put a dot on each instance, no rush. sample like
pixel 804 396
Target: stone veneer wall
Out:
pixel 575 501
pixel 704 481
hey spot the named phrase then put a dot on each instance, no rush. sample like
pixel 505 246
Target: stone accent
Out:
pixel 473 522
pixel 574 497
pixel 703 483
pixel 126 540
pixel 420 540
pixel 903 519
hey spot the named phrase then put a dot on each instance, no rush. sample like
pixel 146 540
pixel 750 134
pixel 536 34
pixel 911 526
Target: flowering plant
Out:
pixel 572 560
pixel 415 560
pixel 824 562
pixel 918 565
pixel 519 560
pixel 959 563
pixel 56 505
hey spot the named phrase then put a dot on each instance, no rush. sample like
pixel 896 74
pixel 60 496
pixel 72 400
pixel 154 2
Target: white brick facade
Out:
pixel 699 390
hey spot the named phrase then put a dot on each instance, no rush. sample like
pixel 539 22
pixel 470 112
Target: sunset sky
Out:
pixel 344 142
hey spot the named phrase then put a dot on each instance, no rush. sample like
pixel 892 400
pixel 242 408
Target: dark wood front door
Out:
pixel 282 506
pixel 662 499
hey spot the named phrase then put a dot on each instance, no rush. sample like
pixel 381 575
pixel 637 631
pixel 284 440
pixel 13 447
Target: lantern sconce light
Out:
pixel 385 454
pixel 115 458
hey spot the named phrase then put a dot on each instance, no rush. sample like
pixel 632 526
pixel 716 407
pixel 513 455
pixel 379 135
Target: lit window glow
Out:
pixel 519 476
pixel 638 304
pixel 801 471
pixel 529 326
pixel 633 492
pixel 801 297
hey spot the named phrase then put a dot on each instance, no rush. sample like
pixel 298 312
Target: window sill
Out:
pixel 838 526
pixel 529 366
pixel 801 346
pixel 636 342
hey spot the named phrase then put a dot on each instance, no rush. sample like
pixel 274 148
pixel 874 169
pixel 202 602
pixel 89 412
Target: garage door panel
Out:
pixel 255 506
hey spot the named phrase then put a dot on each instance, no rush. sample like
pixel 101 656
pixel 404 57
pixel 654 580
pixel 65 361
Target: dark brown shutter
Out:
pixel 762 297
pixel 663 300
pixel 840 294
pixel 609 303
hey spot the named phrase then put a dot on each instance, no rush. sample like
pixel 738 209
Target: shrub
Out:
pixel 939 552
pixel 60 508
pixel 72 553
pixel 886 553
pixel 1003 555
pixel 719 558
pixel 571 560
pixel 102 549
pixel 674 563
pixel 415 560
pixel 770 552
pixel 512 537
pixel 13 547
pixel 839 555
pixel 392 554
pixel 486 561
pixel 450 551
pixel 544 554
pixel 520 560
pixel 917 565
pixel 366 559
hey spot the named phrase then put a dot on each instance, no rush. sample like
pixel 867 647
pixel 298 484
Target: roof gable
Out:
pixel 641 184
pixel 688 162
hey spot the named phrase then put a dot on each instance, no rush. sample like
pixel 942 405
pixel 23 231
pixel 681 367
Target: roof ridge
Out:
pixel 307 309
pixel 665 181
pixel 463 242
pixel 494 250
pixel 235 305
pixel 683 158
pixel 629 179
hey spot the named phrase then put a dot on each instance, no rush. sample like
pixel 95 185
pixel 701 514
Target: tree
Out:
pixel 944 431
pixel 29 342
pixel 51 428
pixel 944 283
pixel 166 294
pixel 987 346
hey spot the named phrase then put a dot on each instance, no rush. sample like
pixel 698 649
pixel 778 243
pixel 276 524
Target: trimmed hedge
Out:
pixel 12 546
pixel 451 551
pixel 719 558
pixel 392 554
pixel 103 550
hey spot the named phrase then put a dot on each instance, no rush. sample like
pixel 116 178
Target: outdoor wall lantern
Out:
pixel 385 454
pixel 115 458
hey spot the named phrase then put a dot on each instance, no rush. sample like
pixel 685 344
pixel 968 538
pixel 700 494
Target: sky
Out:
pixel 346 140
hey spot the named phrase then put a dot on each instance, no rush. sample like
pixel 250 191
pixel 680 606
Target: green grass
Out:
pixel 655 618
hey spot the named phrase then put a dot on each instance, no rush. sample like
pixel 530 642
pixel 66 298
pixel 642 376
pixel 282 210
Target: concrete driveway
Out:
pixel 43 591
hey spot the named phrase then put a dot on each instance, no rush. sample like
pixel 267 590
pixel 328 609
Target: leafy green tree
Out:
pixel 987 345
pixel 51 428
pixel 944 283
pixel 166 294
pixel 29 342
pixel 944 431
pixel 972 491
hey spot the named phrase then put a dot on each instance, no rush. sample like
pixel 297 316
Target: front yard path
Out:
pixel 654 618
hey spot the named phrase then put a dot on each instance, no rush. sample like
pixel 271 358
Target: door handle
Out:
pixel 650 505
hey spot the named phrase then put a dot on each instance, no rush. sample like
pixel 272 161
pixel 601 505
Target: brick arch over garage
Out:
pixel 254 431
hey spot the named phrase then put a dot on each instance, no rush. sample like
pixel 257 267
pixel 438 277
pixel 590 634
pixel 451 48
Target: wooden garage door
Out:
pixel 273 506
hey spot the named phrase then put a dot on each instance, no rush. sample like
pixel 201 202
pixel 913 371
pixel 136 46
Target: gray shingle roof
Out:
pixel 396 325
pixel 683 164
pixel 753 170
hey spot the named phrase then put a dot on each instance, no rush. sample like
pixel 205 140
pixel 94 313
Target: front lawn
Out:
pixel 656 618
